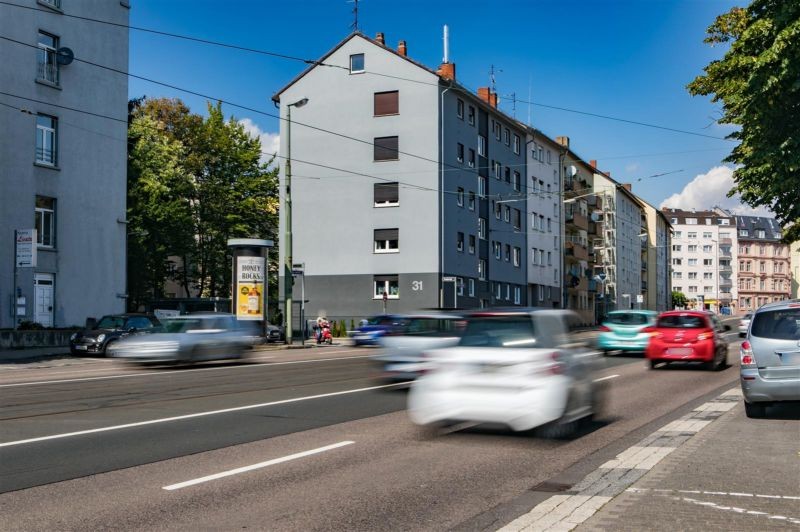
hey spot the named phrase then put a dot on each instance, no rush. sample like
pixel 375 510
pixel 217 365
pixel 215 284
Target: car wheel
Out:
pixel 558 430
pixel 755 410
pixel 741 335
pixel 105 349
pixel 653 363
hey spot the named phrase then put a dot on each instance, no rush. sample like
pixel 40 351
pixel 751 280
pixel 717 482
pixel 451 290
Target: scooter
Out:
pixel 325 336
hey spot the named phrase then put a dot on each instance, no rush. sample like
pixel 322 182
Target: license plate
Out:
pixel 81 347
pixel 680 351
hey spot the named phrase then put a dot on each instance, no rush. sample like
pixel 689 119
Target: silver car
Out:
pixel 189 339
pixel 744 323
pixel 770 357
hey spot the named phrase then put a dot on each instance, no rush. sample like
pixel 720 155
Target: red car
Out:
pixel 688 336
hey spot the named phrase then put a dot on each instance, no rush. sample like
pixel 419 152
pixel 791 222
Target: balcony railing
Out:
pixel 573 249
pixel 47 66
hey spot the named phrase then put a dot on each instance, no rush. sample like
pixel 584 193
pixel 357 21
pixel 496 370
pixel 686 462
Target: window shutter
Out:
pixel 386 193
pixel 385 148
pixel 386 234
pixel 387 103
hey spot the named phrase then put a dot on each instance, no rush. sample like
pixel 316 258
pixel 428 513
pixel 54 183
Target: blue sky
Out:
pixel 626 58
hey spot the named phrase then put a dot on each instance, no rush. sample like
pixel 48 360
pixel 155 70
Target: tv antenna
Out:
pixel 354 25
pixel 492 80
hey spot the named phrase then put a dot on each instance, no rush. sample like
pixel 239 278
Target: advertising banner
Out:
pixel 249 294
pixel 26 248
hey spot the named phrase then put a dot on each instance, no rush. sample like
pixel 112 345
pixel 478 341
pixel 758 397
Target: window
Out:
pixel 482 228
pixel 506 213
pixel 481 145
pixel 497 129
pixel 692 275
pixel 460 152
pixel 46 140
pixel 541 222
pixel 708 275
pixel 706 235
pixel 692 234
pixel 45 222
pixel 677 275
pixel 533 256
pixel 677 288
pixel 481 186
pixel 743 232
pixel 356 63
pixel 762 249
pixel 692 289
pixel 471 160
pixel 723 221
pixel 517 182
pixel 497 290
pixel 46 58
pixel 708 221
pixel 460 108
pixel 673 221
pixel 386 194
pixel 549 258
pixel 549 160
pixel 387 241
pixel 517 219
pixel 677 262
pixel 471 116
pixel 507 253
pixel 541 154
pixel 517 295
pixel 692 248
pixel 460 286
pixel 460 197
pixel 498 171
pixel 516 144
pixel 533 152
pixel 692 262
pixel 472 244
pixel 54 3
pixel 708 289
pixel 507 137
pixel 691 221
pixel 508 292
pixel 471 287
pixel 471 201
pixel 460 242
pixel 387 103
pixel 549 225
pixel 482 269
pixel 508 174
pixel 516 256
pixel 385 149
pixel 497 250
pixel 385 284
pixel 677 234
pixel 706 249
pixel 498 210
pixel 676 247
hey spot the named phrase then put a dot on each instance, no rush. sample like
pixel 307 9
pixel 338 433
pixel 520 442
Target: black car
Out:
pixel 275 333
pixel 95 340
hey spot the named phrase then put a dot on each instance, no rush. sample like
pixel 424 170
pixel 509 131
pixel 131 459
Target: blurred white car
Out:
pixel 516 368
pixel 744 324
pixel 191 338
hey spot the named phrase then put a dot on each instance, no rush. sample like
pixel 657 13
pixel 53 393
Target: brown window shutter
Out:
pixel 386 149
pixel 387 103
pixel 386 234
pixel 386 193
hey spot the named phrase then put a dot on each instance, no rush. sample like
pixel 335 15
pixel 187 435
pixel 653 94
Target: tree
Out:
pixel 756 81
pixel 679 300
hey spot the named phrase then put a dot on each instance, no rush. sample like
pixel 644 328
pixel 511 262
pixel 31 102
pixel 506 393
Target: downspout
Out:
pixel 441 195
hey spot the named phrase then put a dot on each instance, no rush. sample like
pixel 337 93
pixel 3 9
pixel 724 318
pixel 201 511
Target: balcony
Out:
pixel 578 220
pixel 573 249
pixel 644 286
pixel 725 283
pixel 725 269
pixel 725 241
pixel 725 253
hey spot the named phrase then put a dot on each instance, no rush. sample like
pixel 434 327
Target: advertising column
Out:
pixel 249 280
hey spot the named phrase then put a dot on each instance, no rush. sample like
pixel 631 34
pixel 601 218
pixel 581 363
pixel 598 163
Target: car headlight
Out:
pixel 73 336
pixel 101 337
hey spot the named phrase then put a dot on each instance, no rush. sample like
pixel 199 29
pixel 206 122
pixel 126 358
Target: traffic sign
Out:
pixel 449 279
pixel 297 273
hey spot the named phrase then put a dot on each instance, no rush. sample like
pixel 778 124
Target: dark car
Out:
pixel 377 326
pixel 275 333
pixel 96 339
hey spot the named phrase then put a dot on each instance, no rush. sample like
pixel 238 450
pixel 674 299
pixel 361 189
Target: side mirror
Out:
pixel 90 323
pixel 727 327
pixel 132 329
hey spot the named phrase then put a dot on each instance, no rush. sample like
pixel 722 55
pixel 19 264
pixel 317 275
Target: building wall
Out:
pixel 795 265
pixel 764 263
pixel 89 180
pixel 659 294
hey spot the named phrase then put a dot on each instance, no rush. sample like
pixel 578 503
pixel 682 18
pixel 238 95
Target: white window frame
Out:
pixel 460 286
pixel 517 295
pixel 48 135
pixel 363 64
pixel 498 249
pixel 481 146
pixel 482 186
pixel 387 287
pixel 460 108
pixel 45 216
pixel 471 287
pixel 515 256
pixel 387 243
pixel 471 200
pixel 46 59
pixel 516 144
pixel 482 269
pixel 482 228
pixel 460 197
pixel 460 241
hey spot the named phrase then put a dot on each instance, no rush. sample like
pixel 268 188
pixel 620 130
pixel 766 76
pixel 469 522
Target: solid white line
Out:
pixel 606 378
pixel 195 415
pixel 256 466
pixel 178 372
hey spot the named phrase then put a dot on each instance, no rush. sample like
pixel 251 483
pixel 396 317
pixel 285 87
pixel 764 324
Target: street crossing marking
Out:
pixel 253 467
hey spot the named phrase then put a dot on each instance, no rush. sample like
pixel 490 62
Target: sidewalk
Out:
pixel 712 469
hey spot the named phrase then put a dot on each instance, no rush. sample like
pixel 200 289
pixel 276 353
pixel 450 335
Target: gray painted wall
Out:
pixel 89 185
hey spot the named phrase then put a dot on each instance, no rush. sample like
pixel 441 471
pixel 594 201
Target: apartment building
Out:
pixel 795 265
pixel 764 263
pixel 420 203
pixel 63 161
pixel 704 258
pixel 656 273
pixel 544 213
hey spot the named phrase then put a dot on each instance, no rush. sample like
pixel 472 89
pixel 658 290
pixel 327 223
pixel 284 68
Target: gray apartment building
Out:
pixel 63 132
pixel 404 184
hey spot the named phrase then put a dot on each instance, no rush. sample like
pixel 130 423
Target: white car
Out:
pixel 516 368
pixel 744 324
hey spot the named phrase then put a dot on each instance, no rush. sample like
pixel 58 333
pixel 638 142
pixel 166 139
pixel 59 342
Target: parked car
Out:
pixel 275 333
pixel 517 368
pixel 96 338
pixel 623 330
pixel 191 338
pixel 377 326
pixel 402 359
pixel 770 357
pixel 688 336
pixel 744 324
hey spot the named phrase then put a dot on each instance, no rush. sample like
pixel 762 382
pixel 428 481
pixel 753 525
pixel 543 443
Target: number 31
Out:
pixel 416 285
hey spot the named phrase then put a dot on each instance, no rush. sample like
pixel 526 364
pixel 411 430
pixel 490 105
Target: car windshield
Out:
pixel 627 318
pixel 681 322
pixel 777 324
pixel 430 327
pixel 183 325
pixel 110 322
pixel 747 317
pixel 499 331
pixel 383 320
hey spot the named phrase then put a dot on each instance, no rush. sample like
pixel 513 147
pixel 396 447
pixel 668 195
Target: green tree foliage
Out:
pixel 679 300
pixel 205 183
pixel 758 84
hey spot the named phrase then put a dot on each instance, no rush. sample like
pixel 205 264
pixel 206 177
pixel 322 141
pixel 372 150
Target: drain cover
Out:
pixel 551 487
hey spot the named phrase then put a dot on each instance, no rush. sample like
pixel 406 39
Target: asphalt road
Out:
pixel 321 447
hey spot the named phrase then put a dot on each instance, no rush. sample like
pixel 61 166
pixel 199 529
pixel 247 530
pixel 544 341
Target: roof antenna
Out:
pixel 446 39
pixel 354 25
pixel 491 77
pixel 529 99
pixel 514 104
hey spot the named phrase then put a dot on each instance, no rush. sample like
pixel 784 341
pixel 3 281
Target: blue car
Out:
pixel 623 330
pixel 376 327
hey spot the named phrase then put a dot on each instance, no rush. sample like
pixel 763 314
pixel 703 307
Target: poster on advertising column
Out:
pixel 250 277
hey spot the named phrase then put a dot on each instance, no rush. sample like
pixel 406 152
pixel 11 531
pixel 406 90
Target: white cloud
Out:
pixel 270 142
pixel 633 167
pixel 710 190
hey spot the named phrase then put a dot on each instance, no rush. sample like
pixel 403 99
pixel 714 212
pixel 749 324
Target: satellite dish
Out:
pixel 595 216
pixel 572 171
pixel 64 56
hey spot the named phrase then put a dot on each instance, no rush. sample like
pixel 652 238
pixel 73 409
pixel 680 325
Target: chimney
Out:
pixel 486 94
pixel 593 164
pixel 626 186
pixel 564 141
pixel 447 71
pixel 401 49
pixel 380 39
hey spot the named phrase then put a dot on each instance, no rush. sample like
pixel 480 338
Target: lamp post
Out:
pixel 288 278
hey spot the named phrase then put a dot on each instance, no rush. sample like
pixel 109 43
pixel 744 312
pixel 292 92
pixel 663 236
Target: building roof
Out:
pixel 754 224
pixel 682 215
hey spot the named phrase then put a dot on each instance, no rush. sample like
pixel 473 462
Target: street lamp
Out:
pixel 288 278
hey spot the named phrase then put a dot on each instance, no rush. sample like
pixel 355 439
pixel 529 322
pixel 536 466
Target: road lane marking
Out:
pixel 727 493
pixel 195 415
pixel 253 467
pixel 606 378
pixel 174 372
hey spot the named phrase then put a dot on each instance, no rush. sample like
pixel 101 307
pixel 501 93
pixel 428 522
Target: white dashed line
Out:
pixel 606 378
